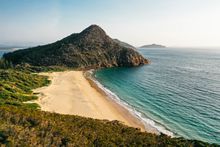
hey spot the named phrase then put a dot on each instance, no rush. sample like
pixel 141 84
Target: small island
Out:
pixel 153 46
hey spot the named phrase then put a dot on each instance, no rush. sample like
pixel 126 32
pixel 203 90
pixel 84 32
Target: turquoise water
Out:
pixel 179 91
pixel 2 52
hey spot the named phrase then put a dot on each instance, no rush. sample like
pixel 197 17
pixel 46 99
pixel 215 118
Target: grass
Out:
pixel 16 86
pixel 37 69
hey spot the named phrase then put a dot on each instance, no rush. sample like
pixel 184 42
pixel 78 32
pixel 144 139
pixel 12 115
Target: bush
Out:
pixel 4 64
pixel 16 86
pixel 26 127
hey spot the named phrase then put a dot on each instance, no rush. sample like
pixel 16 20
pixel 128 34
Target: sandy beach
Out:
pixel 71 93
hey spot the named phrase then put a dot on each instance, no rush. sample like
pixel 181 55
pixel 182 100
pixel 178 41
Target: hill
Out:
pixel 153 46
pixel 91 48
pixel 124 44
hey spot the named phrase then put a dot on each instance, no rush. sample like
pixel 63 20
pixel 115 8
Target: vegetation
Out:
pixel 22 127
pixel 91 48
pixel 4 64
pixel 37 69
pixel 16 87
pixel 124 44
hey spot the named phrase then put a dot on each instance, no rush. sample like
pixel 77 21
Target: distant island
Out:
pixel 9 47
pixel 153 46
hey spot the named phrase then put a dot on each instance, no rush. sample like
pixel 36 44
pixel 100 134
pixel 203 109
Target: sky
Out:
pixel 174 23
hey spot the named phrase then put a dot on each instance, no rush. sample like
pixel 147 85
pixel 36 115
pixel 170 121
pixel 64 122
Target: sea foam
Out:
pixel 146 121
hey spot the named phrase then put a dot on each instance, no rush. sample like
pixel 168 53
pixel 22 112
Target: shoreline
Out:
pixel 149 124
pixel 74 93
pixel 134 120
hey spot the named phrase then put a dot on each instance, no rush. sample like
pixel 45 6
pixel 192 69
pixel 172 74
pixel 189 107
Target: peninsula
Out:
pixel 92 48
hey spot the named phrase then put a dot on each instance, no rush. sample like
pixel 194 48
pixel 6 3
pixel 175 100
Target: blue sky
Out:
pixel 193 23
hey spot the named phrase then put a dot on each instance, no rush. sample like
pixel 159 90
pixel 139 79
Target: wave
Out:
pixel 146 121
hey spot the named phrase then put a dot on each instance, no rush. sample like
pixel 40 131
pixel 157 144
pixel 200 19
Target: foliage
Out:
pixel 25 67
pixel 16 87
pixel 4 64
pixel 22 127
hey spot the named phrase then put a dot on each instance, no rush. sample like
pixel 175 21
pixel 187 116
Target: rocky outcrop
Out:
pixel 91 48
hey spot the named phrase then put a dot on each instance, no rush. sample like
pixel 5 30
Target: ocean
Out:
pixel 178 93
pixel 2 52
pixel 7 50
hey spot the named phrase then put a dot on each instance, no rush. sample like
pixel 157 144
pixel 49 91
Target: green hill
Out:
pixel 124 44
pixel 91 48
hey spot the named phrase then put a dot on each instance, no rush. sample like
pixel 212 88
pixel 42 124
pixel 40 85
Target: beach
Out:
pixel 70 92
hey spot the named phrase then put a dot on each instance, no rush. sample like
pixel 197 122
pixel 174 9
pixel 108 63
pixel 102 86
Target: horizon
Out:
pixel 191 24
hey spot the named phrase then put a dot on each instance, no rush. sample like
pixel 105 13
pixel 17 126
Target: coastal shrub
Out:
pixel 18 104
pixel 5 64
pixel 26 127
pixel 16 86
pixel 37 69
